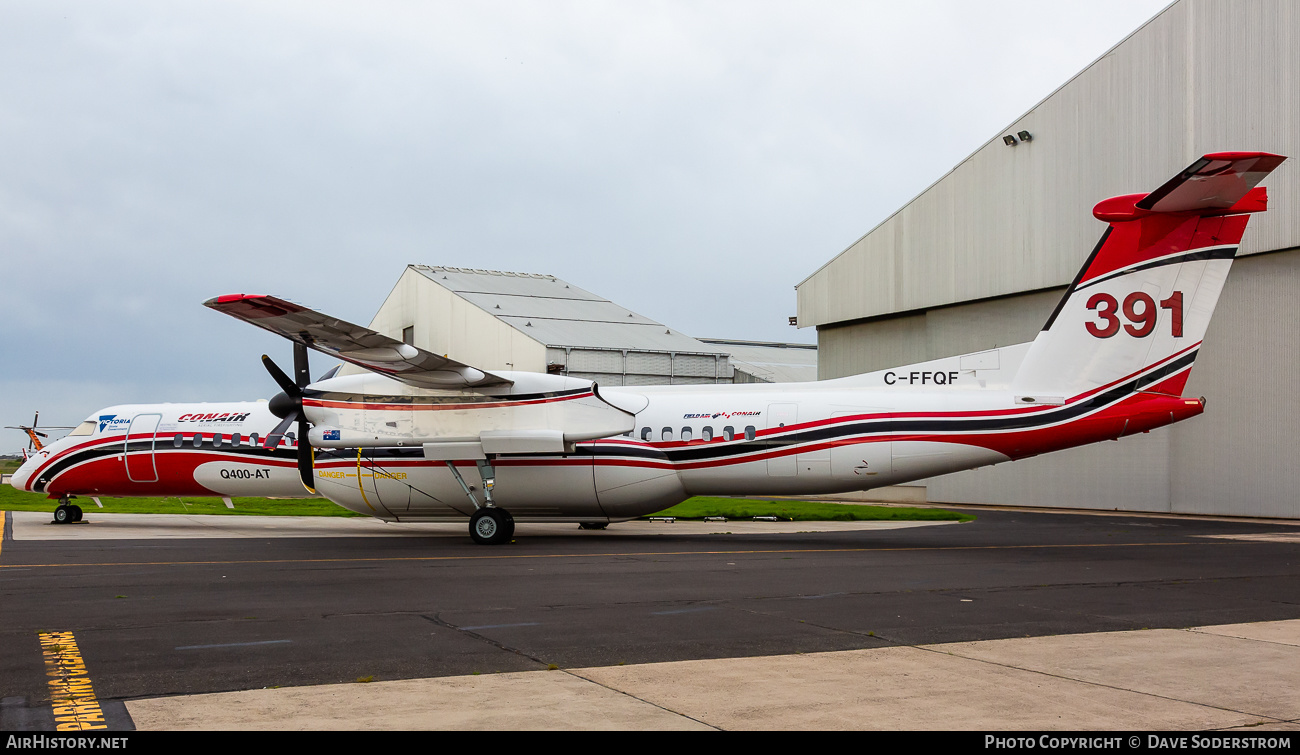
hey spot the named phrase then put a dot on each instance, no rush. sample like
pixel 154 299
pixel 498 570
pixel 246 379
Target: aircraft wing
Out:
pixel 1216 181
pixel 353 343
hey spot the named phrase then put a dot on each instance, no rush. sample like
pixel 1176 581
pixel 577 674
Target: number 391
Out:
pixel 1140 311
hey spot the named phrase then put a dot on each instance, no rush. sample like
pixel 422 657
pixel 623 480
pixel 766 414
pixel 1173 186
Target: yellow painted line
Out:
pixel 394 559
pixel 71 694
pixel 3 522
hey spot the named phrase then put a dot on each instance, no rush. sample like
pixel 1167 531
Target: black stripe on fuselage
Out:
pixel 905 425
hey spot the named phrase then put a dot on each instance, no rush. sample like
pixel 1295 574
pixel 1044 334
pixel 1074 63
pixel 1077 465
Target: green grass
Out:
pixel 805 511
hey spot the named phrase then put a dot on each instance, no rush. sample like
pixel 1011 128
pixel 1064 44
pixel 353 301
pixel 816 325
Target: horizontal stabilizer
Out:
pixel 353 343
pixel 1217 181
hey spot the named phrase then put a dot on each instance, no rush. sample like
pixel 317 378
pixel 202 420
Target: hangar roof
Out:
pixel 772 362
pixel 556 313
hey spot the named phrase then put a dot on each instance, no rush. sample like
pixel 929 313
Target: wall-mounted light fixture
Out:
pixel 1009 140
pixel 1025 136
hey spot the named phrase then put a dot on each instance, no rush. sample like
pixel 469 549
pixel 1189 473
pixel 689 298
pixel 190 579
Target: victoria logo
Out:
pixel 112 422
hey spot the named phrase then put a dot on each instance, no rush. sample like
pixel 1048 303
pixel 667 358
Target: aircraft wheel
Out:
pixel 62 515
pixel 76 512
pixel 491 526
pixel 593 525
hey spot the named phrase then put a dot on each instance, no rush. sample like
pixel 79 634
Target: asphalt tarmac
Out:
pixel 158 617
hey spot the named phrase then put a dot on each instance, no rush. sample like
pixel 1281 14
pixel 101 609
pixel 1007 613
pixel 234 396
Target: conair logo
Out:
pixel 113 422
pixel 214 417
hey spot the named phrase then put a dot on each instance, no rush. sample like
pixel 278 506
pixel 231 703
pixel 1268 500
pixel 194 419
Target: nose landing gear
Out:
pixel 67 512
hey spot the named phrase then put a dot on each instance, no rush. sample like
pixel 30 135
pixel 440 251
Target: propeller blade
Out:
pixel 276 436
pixel 288 386
pixel 305 455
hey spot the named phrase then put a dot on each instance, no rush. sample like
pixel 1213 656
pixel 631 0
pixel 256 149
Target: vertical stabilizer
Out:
pixel 1143 300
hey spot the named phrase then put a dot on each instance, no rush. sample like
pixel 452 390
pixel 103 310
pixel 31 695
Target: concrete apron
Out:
pixel 1221 677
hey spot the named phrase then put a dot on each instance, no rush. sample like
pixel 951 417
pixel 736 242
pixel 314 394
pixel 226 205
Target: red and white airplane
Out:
pixel 413 436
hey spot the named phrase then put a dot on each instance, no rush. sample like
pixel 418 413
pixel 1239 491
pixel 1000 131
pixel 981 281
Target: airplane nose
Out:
pixel 20 476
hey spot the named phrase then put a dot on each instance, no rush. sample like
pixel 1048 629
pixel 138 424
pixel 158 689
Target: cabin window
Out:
pixel 85 428
pixel 198 440
pixel 750 432
pixel 237 439
pixel 218 439
pixel 728 432
pixel 645 433
pixel 252 440
pixel 178 441
pixel 687 433
pixel 707 433
pixel 667 434
pixel 291 438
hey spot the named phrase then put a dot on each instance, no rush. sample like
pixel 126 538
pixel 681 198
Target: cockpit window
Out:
pixel 85 428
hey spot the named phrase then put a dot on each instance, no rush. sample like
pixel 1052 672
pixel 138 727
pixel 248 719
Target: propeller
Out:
pixel 288 406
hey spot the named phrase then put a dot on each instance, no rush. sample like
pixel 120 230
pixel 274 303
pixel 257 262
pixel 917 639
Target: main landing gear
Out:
pixel 489 525
pixel 67 512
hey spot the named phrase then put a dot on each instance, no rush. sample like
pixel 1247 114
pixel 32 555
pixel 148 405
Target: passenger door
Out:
pixel 138 448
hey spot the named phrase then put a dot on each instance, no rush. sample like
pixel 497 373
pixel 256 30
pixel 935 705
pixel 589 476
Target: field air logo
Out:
pixel 113 422
pixel 724 415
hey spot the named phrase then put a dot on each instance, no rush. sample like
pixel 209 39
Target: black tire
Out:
pixel 491 526
pixel 76 512
pixel 593 525
pixel 62 515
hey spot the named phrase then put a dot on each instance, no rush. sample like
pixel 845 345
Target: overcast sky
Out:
pixel 692 161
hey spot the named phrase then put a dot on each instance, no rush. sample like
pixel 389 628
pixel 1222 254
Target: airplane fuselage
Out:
pixel 826 437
